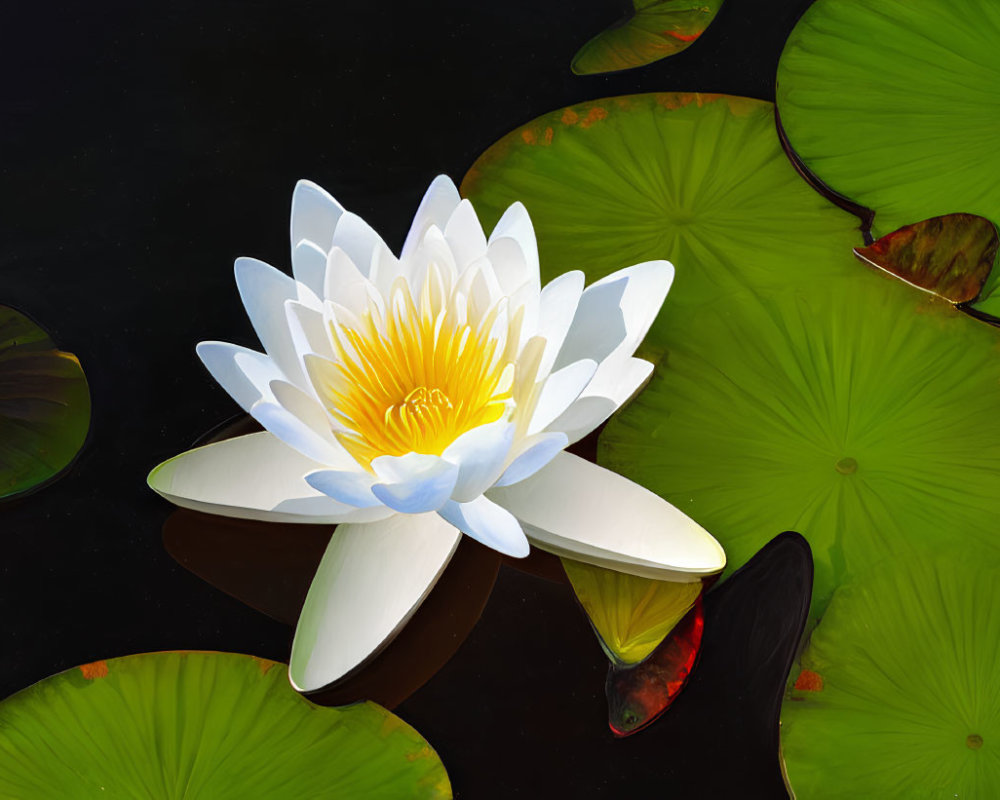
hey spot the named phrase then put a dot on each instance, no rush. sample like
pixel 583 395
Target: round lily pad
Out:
pixel 900 699
pixel 861 413
pixel 203 725
pixel 652 29
pixel 44 405
pixel 698 179
pixel 893 104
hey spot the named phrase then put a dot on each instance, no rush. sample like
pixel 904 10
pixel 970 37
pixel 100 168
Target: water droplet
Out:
pixel 847 466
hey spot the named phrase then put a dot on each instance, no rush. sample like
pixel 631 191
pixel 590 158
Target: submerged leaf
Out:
pixel 44 405
pixel 629 614
pixel 654 29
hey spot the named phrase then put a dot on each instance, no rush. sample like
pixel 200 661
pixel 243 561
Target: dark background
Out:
pixel 144 147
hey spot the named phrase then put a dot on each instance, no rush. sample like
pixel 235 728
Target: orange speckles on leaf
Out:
pixel 423 752
pixel 595 114
pixel 98 669
pixel 569 117
pixel 529 136
pixel 683 37
pixel 809 681
pixel 264 664
pixel 391 724
pixel 548 135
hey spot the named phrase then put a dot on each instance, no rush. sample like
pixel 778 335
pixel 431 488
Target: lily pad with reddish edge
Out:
pixel 639 693
pixel 794 389
pixel 211 725
pixel 652 30
pixel 44 406
pixel 950 256
pixel 697 179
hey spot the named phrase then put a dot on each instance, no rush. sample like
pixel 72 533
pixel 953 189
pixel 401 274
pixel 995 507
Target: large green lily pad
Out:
pixel 902 696
pixel 894 104
pixel 698 179
pixel 653 29
pixel 861 413
pixel 202 725
pixel 44 405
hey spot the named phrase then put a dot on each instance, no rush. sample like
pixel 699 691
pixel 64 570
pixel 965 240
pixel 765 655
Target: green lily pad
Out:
pixel 861 413
pixel 203 725
pixel 654 29
pixel 951 256
pixel 893 104
pixel 902 698
pixel 44 405
pixel 698 179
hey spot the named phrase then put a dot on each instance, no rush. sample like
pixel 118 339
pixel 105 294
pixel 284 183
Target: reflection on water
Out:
pixel 269 566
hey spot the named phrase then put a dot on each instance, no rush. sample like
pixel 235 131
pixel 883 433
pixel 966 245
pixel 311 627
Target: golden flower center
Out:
pixel 417 380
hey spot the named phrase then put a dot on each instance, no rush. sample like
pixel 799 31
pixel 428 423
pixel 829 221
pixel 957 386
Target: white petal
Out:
pixel 314 215
pixel 465 235
pixel 220 360
pixel 510 265
pixel 358 240
pixel 480 454
pixel 370 582
pixel 343 282
pixel 579 510
pixel 308 330
pixel 384 270
pixel 309 265
pixel 556 309
pixel 559 391
pixel 613 385
pixel 251 477
pixel 439 201
pixel 516 224
pixel 534 452
pixel 351 487
pixel 615 313
pixel 264 291
pixel 297 433
pixel 488 523
pixel 414 483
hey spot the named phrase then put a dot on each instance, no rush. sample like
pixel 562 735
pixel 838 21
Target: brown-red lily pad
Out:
pixel 950 256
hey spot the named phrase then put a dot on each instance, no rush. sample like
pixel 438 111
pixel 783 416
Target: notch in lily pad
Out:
pixel 651 30
pixel 951 256
pixel 44 406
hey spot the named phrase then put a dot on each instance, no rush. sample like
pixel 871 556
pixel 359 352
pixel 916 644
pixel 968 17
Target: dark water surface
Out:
pixel 144 147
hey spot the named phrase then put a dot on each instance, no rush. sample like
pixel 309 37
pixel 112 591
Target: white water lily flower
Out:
pixel 412 400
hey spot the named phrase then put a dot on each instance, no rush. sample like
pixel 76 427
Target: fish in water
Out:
pixel 637 695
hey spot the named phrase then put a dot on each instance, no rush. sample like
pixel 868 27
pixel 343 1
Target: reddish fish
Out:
pixel 638 695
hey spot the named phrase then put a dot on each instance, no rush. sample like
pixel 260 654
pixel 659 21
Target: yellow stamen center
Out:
pixel 418 379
